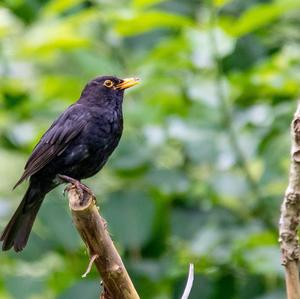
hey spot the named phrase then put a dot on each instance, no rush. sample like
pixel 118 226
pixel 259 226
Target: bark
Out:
pixel 93 231
pixel 290 216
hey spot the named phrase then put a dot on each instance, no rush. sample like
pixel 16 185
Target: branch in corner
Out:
pixel 290 216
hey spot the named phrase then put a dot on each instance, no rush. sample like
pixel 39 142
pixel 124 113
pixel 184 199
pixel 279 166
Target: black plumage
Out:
pixel 76 145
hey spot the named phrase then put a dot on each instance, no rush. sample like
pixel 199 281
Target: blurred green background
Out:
pixel 203 163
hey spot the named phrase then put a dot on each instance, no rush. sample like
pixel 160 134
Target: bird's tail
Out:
pixel 17 231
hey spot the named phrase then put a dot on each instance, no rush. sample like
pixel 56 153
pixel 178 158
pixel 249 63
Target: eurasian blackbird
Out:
pixel 75 147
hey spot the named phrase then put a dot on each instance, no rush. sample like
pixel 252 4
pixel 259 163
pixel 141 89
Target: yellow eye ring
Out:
pixel 108 83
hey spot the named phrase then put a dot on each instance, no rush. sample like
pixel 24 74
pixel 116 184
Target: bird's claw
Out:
pixel 67 189
pixel 85 188
pixel 80 187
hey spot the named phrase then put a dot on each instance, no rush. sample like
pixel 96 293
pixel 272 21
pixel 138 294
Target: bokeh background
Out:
pixel 200 172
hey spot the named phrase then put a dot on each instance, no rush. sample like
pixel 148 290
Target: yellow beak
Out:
pixel 128 82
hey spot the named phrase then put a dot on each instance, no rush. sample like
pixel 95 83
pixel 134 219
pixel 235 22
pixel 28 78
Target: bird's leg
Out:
pixel 79 186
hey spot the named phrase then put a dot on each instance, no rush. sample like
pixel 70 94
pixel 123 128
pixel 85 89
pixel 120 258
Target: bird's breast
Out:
pixel 105 132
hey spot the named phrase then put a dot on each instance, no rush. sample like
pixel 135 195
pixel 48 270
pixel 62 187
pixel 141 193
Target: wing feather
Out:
pixel 55 141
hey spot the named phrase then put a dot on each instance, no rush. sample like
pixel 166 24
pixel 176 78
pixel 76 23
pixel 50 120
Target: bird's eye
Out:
pixel 108 83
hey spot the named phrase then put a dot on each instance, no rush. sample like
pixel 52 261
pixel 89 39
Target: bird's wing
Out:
pixel 56 139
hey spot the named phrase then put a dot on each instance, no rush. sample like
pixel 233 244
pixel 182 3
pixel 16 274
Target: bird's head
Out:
pixel 106 90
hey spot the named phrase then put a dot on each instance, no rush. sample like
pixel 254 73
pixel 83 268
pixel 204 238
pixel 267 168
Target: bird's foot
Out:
pixel 78 185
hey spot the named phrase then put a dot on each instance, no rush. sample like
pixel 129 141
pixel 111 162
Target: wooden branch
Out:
pixel 92 229
pixel 290 216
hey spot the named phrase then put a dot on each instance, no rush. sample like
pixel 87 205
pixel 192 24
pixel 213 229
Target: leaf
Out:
pixel 8 23
pixel 193 220
pixel 48 37
pixel 144 3
pixel 131 155
pixel 261 260
pixel 148 21
pixel 130 217
pixel 279 294
pixel 168 181
pixel 231 187
pixel 54 7
pixel 59 228
pixel 24 287
pixel 203 287
pixel 221 3
pixel 87 289
pixel 8 158
pixel 206 240
pixel 258 16
pixel 201 42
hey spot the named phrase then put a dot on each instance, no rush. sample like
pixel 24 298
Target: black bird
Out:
pixel 75 147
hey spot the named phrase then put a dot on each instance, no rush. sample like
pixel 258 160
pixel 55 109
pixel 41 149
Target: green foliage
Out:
pixel 203 163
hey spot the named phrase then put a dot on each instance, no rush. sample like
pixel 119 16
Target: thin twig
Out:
pixel 290 216
pixel 189 283
pixel 88 270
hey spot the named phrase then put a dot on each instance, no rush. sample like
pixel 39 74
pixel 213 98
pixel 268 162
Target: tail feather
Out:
pixel 17 231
